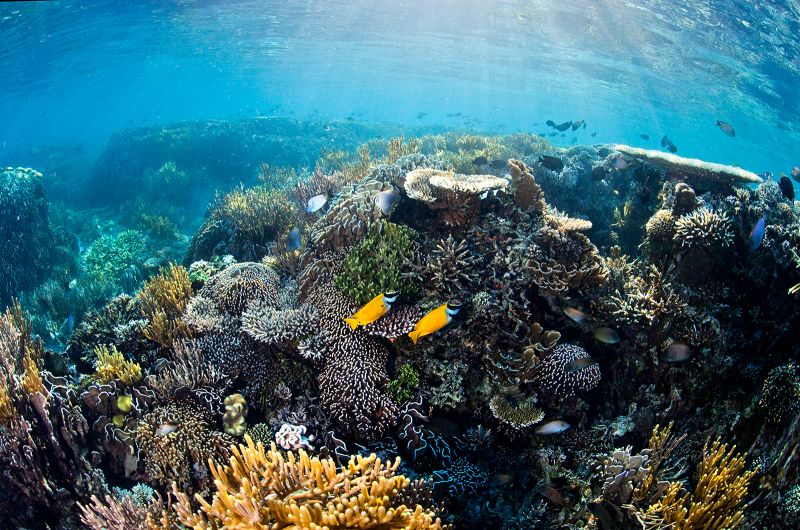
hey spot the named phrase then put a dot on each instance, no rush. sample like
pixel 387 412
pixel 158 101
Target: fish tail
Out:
pixel 352 322
pixel 414 336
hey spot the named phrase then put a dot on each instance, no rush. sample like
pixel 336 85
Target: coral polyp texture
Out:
pixel 572 300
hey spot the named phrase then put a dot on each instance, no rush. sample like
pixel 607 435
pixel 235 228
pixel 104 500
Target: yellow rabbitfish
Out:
pixel 434 320
pixel 375 309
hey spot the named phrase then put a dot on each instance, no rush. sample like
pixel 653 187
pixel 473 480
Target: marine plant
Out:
pixel 263 489
pixel 404 386
pixel 376 264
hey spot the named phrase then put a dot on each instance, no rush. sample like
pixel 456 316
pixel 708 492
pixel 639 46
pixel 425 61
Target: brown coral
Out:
pixel 262 490
pixel 703 228
pixel 163 300
pixel 529 194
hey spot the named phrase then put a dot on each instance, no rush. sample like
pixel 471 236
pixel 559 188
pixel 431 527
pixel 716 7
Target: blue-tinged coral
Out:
pixel 116 260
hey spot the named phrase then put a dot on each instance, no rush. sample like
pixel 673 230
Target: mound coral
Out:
pixel 780 394
pixel 234 287
pixel 456 197
pixel 376 264
pixel 704 228
pixel 560 375
pixel 258 489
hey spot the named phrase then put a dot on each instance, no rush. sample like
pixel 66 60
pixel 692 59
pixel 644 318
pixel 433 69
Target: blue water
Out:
pixel 73 72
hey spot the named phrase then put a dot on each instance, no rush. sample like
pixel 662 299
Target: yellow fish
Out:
pixel 435 320
pixel 375 309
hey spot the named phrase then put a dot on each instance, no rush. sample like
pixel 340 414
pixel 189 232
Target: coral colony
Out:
pixel 451 331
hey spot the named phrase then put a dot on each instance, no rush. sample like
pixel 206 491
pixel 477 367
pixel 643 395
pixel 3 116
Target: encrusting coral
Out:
pixel 263 489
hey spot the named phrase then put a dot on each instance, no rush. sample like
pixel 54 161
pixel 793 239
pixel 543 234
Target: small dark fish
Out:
pixel 726 128
pixel 577 125
pixel 386 201
pixel 554 133
pixel 786 187
pixel 676 352
pixel 553 163
pixel 498 164
pixel 593 134
pixel 500 479
pixel 644 136
pixel 563 126
pixel 553 427
pixel 667 143
pixel 757 233
pixel 551 494
pixel 602 514
pixel 579 364
pixel 293 241
pixel 576 315
pixel 316 202
pixel 480 161
pixel 606 335
pixel 796 173
pixel 550 123
pixel 421 115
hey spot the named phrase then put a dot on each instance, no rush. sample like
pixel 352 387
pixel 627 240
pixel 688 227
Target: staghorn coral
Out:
pixel 175 440
pixel 111 365
pixel 558 378
pixel 163 300
pixel 258 489
pixel 703 228
pixel 518 416
pixel 456 197
pixel 376 264
pixel 716 503
pixel 447 269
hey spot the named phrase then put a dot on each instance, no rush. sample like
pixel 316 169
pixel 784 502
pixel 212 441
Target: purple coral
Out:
pixel 559 376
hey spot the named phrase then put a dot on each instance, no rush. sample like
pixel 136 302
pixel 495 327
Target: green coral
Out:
pixel 376 264
pixel 402 388
pixel 110 257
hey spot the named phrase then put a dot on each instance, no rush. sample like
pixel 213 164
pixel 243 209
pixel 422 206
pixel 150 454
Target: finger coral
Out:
pixel 263 489
pixel 703 227
pixel 163 300
pixel 111 365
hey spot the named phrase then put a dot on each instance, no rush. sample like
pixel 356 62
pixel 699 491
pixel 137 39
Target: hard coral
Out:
pixel 163 300
pixel 111 365
pixel 557 377
pixel 517 416
pixel 258 215
pixel 528 194
pixel 703 228
pixel 258 489
pixel 447 269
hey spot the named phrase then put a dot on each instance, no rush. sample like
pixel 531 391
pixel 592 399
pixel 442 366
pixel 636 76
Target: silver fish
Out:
pixel 575 314
pixel 579 364
pixel 552 427
pixel 796 173
pixel 166 428
pixel 606 335
pixel 293 241
pixel 676 352
pixel 316 202
pixel 727 128
pixel 620 163
pixel 386 201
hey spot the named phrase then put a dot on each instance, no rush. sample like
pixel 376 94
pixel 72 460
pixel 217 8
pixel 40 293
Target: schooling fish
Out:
pixel 480 161
pixel 435 320
pixel 498 164
pixel 552 427
pixel 167 427
pixel 553 163
pixel 786 187
pixel 676 352
pixel 667 143
pixel 606 335
pixel 550 123
pixel 726 128
pixel 579 364
pixel 576 315
pixel 563 126
pixel 577 124
pixel 796 173
pixel 316 202
pixel 593 134
pixel 293 241
pixel 373 310
pixel 644 136
pixel 757 233
pixel 386 201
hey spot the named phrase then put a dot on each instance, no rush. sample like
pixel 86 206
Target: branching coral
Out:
pixel 518 416
pixel 448 268
pixel 262 489
pixel 111 365
pixel 163 300
pixel 704 228
pixel 455 196
pixel 376 264
pixel 716 503
pixel 528 194
pixel 116 259
pixel 259 214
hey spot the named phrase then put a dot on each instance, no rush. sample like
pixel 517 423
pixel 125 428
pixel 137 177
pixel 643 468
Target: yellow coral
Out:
pixel 163 300
pixel 111 365
pixel 717 500
pixel 397 148
pixel 262 489
pixel 259 213
pixel 32 380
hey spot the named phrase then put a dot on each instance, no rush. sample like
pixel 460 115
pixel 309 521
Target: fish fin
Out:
pixel 352 322
pixel 414 336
